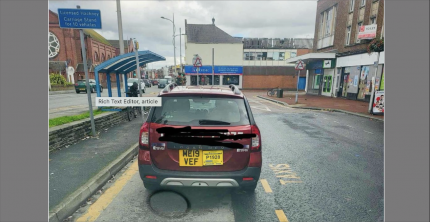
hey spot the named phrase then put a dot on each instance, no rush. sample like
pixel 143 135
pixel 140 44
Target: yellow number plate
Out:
pixel 200 158
pixel 211 158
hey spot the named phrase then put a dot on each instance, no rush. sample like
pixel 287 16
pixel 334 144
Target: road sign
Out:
pixel 300 65
pixel 197 61
pixel 79 18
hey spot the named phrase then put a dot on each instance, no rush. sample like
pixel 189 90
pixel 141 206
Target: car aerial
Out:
pixel 162 83
pixel 201 136
pixel 154 82
pixel 81 86
pixel 130 82
pixel 147 82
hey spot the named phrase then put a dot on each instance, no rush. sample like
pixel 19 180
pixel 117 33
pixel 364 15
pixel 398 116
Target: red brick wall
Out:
pixel 287 82
pixel 341 22
pixel 303 51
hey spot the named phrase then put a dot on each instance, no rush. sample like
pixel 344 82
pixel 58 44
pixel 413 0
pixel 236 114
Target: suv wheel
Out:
pixel 77 91
pixel 151 187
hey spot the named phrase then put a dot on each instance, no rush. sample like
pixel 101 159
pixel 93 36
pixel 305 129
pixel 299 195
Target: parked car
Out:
pixel 162 83
pixel 130 82
pixel 169 156
pixel 154 82
pixel 81 86
pixel 147 83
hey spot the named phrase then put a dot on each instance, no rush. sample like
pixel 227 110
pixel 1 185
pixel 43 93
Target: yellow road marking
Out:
pixel 105 199
pixel 283 182
pixel 266 185
pixel 281 216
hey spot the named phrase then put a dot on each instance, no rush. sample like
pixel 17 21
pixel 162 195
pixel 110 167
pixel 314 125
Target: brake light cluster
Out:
pixel 255 159
pixel 256 141
pixel 144 136
pixel 144 157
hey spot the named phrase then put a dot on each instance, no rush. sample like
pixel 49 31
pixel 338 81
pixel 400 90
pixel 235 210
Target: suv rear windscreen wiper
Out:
pixel 212 122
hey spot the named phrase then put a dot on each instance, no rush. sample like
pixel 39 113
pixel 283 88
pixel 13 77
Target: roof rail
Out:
pixel 235 89
pixel 169 87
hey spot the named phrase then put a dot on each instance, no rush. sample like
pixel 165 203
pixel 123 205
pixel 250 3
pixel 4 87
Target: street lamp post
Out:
pixel 174 46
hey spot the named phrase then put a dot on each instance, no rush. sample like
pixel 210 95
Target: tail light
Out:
pixel 256 141
pixel 144 136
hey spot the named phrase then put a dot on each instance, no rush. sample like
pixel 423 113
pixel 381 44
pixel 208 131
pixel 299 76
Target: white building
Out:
pixel 228 55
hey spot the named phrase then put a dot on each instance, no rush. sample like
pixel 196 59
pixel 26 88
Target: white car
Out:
pixel 130 82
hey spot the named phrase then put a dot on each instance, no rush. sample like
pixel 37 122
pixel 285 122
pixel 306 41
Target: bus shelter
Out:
pixel 121 65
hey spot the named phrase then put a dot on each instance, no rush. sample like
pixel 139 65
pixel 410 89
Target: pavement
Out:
pixel 72 167
pixel 306 101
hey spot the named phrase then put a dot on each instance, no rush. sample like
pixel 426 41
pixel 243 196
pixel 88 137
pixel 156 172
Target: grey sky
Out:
pixel 254 19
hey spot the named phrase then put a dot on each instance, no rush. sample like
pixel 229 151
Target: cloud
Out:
pixel 255 19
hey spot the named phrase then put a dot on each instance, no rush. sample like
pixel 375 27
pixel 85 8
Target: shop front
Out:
pixel 357 72
pixel 223 75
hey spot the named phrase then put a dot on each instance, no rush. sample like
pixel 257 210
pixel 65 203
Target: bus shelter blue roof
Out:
pixel 123 64
pixel 126 63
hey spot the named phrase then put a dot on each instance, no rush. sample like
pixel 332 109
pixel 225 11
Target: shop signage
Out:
pixel 315 65
pixel 79 18
pixel 367 32
pixel 379 102
pixel 233 70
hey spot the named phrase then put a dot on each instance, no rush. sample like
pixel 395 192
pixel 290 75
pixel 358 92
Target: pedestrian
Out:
pixel 134 89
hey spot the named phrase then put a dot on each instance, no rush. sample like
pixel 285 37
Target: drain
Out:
pixel 169 204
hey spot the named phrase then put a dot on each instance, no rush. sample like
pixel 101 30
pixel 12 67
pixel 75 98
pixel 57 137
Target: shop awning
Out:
pixel 311 57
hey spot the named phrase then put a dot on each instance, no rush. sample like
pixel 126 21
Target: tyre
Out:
pixel 77 91
pixel 151 186
pixel 143 91
pixel 101 89
pixel 270 93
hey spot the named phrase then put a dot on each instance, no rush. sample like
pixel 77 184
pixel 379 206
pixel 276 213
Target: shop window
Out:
pixel 327 84
pixel 317 80
pixel 230 79
pixel 293 54
pixel 259 56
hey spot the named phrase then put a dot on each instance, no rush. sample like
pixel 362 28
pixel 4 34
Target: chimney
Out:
pixel 213 21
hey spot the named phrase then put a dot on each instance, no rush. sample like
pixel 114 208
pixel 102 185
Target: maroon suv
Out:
pixel 201 136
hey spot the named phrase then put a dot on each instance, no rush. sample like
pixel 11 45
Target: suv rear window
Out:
pixel 201 111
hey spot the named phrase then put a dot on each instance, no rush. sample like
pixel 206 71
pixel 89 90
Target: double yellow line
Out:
pixel 279 213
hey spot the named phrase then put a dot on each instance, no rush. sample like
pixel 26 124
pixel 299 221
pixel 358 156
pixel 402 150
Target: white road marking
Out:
pixel 349 126
pixel 368 132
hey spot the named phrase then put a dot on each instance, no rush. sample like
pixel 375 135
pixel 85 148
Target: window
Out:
pixel 293 54
pixel 363 3
pixel 246 56
pixel 328 22
pixel 197 111
pixel 230 79
pixel 357 31
pixel 103 57
pixel 351 5
pixel 96 57
pixel 281 56
pixel 317 79
pixel 348 35
pixel 321 26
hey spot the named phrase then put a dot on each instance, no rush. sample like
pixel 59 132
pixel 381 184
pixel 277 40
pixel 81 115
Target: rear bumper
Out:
pixel 202 179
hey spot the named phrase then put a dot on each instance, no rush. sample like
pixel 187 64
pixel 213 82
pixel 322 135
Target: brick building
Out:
pixel 65 49
pixel 339 65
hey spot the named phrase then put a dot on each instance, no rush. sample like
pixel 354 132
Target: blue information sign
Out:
pixel 79 18
pixel 218 70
